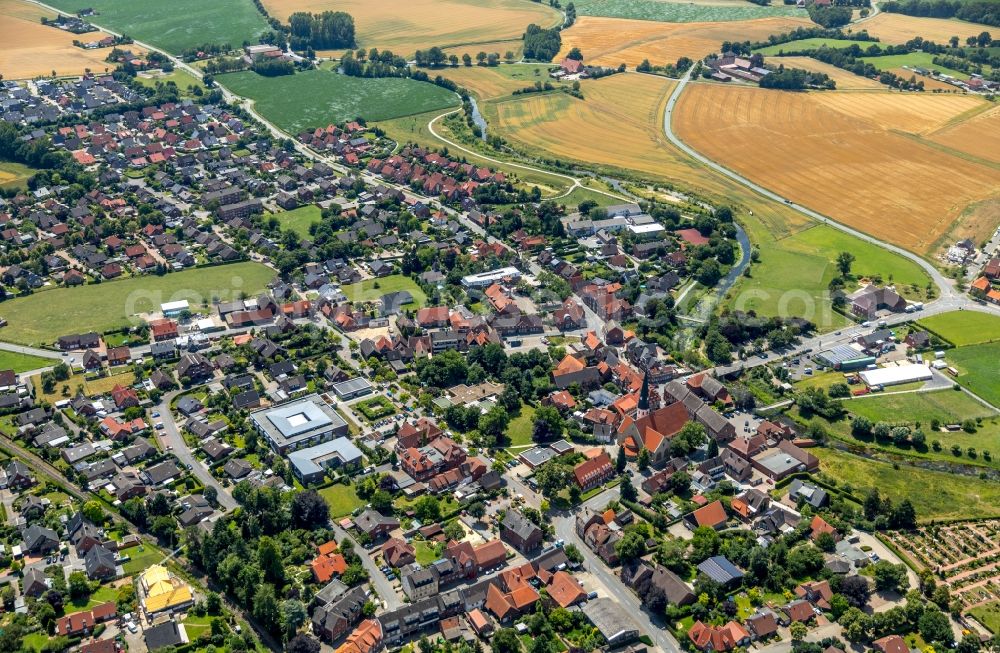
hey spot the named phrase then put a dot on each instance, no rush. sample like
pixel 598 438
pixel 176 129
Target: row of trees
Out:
pixel 796 79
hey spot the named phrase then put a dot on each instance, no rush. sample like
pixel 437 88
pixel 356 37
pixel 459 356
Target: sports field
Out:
pixel 370 290
pixel 842 154
pixel 979 369
pixel 613 41
pixel 177 25
pixel 101 307
pixel 299 220
pixel 953 496
pixel 405 26
pixel 846 81
pixel 31 49
pixel 317 98
pixel 897 28
pixel 962 328
pixel 678 11
pixel 804 45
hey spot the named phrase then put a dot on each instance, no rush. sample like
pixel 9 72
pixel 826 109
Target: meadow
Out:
pixel 370 290
pixel 804 45
pixel 343 500
pixel 317 98
pixel 405 26
pixel 812 147
pixel 31 49
pixel 113 304
pixel 962 328
pixel 613 41
pixel 979 369
pixel 299 220
pixel 912 60
pixel 14 175
pixel 181 78
pixel 177 25
pixel 491 82
pixel 682 12
pixel 953 496
pixel 10 360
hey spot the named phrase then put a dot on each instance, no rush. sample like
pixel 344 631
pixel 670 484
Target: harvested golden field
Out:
pixel 612 41
pixel 500 47
pixel 31 49
pixel 897 28
pixel 846 81
pixel 852 167
pixel 405 26
pixel 978 136
pixel 489 83
pixel 915 113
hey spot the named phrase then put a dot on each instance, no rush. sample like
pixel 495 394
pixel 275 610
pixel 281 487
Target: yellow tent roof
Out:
pixel 177 596
pixel 155 574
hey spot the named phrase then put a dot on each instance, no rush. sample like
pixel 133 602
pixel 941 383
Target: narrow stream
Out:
pixel 477 118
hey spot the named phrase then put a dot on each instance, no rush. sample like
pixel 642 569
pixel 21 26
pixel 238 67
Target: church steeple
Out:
pixel 643 407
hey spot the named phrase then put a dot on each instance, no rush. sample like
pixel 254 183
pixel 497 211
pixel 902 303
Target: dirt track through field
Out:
pixel 846 155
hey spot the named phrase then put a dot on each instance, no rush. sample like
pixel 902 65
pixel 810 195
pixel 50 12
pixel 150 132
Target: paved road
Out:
pixel 652 625
pixel 945 285
pixel 382 584
pixel 171 435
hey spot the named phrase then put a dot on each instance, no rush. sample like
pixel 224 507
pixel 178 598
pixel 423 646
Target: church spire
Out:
pixel 644 395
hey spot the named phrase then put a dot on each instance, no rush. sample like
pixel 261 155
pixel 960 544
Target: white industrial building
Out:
pixel 887 376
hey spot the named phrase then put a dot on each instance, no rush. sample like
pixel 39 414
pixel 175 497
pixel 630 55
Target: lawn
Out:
pixel 10 360
pixel 14 175
pixel 177 25
pixel 370 290
pixel 804 45
pixel 114 304
pixel 35 641
pixel 426 552
pixel 299 220
pixel 520 428
pixel 952 496
pixel 195 625
pixel 142 557
pixel 911 60
pixel 579 195
pixel 343 499
pixel 103 594
pixel 317 98
pixel 988 614
pixel 979 369
pixel 964 327
pixel 181 78
pixel 78 383
pixel 681 12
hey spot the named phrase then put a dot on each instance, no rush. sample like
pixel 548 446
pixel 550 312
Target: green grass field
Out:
pixel 793 278
pixel 911 59
pixel 181 78
pixel 370 290
pixel 317 98
pixel 34 641
pixel 23 362
pixel 140 561
pixel 101 307
pixel 988 614
pixel 103 594
pixel 343 499
pixel 298 220
pixel 176 25
pixel 979 367
pixel 426 552
pixel 962 328
pixel 935 495
pixel 14 175
pixel 912 408
pixel 803 45
pixel 681 12
pixel 520 428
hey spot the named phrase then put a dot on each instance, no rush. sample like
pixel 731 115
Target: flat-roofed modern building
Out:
pixel 310 464
pixel 351 388
pixel 302 423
